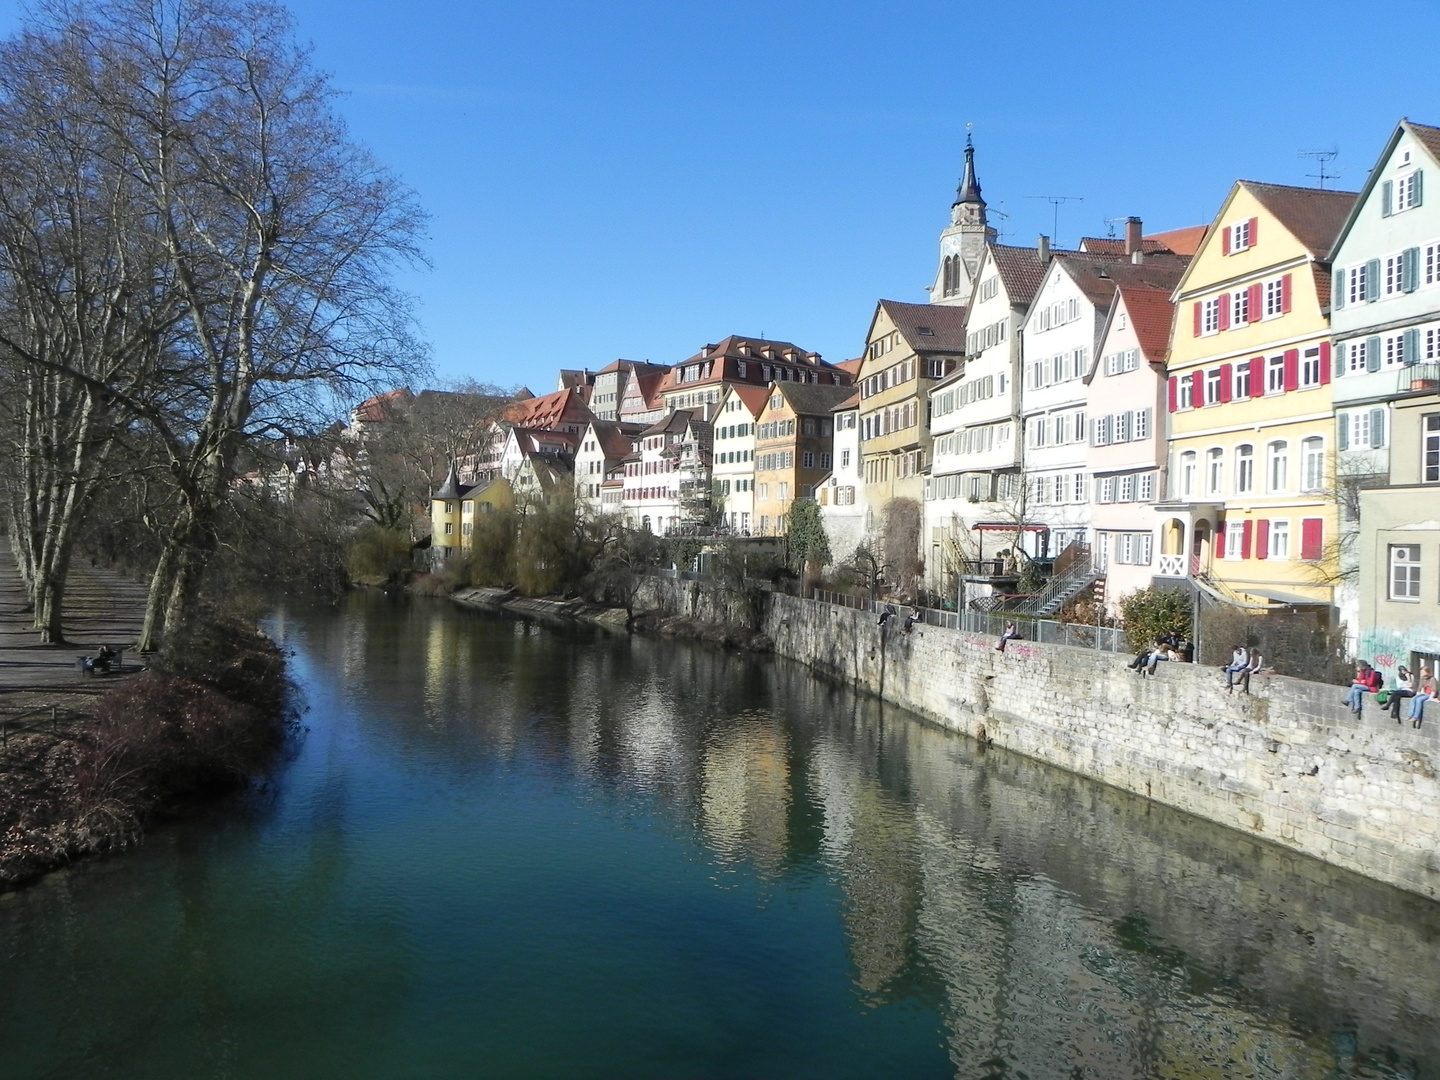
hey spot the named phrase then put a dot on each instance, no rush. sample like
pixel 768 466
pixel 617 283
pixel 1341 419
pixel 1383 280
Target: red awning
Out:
pixel 1008 526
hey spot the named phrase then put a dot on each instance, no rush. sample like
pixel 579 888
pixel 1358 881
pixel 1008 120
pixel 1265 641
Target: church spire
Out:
pixel 969 190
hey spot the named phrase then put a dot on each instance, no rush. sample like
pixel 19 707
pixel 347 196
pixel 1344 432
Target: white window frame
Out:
pixel 1404 573
pixel 1240 236
pixel 1279 540
pixel 1210 317
pixel 1310 368
pixel 1430 450
pixel 1275 298
pixel 1312 463
pixel 1275 374
pixel 1277 467
pixel 1214 471
pixel 1234 539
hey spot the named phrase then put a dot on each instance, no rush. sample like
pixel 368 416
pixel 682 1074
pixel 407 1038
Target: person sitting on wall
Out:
pixel 1185 650
pixel 886 615
pixel 1142 658
pixel 1404 688
pixel 1010 634
pixel 1254 667
pixel 1239 661
pixel 912 618
pixel 1424 691
pixel 1367 681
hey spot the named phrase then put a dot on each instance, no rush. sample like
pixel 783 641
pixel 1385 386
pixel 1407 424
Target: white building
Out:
pixel 666 475
pixel 603 447
pixel 733 459
pixel 841 495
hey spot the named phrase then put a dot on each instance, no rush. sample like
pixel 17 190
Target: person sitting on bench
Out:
pixel 104 659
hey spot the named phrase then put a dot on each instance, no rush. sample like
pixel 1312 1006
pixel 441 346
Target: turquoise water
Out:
pixel 513 850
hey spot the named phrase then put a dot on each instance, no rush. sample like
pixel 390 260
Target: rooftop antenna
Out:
pixel 1110 226
pixel 1322 158
pixel 1055 201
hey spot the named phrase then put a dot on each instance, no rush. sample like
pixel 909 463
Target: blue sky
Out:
pixel 637 179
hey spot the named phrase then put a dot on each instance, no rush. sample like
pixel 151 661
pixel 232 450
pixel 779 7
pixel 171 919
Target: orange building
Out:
pixel 794 442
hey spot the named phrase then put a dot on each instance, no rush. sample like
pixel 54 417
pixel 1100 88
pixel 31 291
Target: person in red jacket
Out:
pixel 1367 681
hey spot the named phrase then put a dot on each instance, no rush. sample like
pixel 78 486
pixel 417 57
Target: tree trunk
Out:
pixel 152 633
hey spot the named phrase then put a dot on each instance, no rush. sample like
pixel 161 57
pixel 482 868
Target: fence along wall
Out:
pixel 1287 763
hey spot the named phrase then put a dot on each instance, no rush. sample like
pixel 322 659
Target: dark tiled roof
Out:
pixel 615 438
pixel 1312 215
pixel 1113 245
pixel 1322 286
pixel 632 365
pixel 1021 270
pixel 1099 276
pixel 928 328
pixel 851 402
pixel 451 488
pixel 812 399
pixel 673 422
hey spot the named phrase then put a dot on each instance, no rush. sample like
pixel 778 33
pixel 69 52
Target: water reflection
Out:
pixel 494 823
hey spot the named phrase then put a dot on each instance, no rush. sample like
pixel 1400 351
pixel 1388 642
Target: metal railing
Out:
pixel 1062 586
pixel 1045 631
pixel 46 718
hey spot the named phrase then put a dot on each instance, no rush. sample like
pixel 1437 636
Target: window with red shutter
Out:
pixel 1225 311
pixel 1254 230
pixel 1257 297
pixel 1174 393
pixel 1292 370
pixel 1225 240
pixel 1324 363
pixel 1246 530
pixel 1312 539
pixel 1285 293
pixel 1257 377
pixel 1197 318
pixel 1227 372
pixel 1262 538
pixel 1220 540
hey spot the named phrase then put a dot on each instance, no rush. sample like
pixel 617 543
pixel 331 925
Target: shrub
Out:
pixel 379 555
pixel 1148 613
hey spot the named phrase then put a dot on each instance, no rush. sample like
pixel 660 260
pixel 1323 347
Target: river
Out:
pixel 503 848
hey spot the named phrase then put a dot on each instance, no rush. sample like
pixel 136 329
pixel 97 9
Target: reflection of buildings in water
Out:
pixel 745 789
pixel 1063 970
pixel 881 884
pixel 833 777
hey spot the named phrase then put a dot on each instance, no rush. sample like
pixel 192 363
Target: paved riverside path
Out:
pixel 101 606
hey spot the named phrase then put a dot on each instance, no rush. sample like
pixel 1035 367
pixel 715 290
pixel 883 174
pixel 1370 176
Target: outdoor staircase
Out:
pixel 1079 573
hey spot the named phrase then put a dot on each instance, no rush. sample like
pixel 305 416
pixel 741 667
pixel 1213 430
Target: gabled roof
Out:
pixel 1152 317
pixel 737 348
pixel 1020 270
pixel 852 366
pixel 375 409
pixel 530 440
pixel 672 422
pixel 547 412
pixel 1098 276
pixel 638 366
pixel 851 402
pixel 1184 241
pixel 754 397
pixel 1428 137
pixel 1313 216
pixel 615 439
pixel 813 399
pixel 928 328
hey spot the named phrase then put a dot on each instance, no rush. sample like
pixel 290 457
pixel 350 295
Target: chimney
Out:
pixel 1132 235
pixel 1043 250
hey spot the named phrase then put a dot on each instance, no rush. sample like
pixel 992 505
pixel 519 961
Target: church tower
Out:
pixel 962 244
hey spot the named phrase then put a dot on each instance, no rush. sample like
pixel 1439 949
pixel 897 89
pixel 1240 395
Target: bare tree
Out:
pixel 277 236
pixel 86 303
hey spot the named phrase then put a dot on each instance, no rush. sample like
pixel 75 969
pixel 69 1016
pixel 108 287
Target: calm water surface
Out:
pixel 512 850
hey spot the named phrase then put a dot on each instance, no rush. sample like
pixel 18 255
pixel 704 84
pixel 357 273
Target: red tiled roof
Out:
pixel 1184 241
pixel 1152 316
pixel 550 411
pixel 851 402
pixel 852 366
pixel 1313 216
pixel 928 328
pixel 1428 136
pixel 752 350
pixel 377 408
pixel 754 397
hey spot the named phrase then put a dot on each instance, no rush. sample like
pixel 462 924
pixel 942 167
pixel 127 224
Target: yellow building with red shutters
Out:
pixel 1249 509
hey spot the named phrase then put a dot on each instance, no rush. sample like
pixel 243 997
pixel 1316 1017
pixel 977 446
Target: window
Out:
pixel 1276 470
pixel 1187 392
pixel 1107 489
pixel 1405 572
pixel 1358 287
pixel 1275 297
pixel 1407 192
pixel 824 461
pixel 1242 381
pixel 1240 236
pixel 449 507
pixel 1240 307
pixel 1234 539
pixel 449 527
pixel 807 460
pixel 1142 424
pixel 1147 487
pixel 1214 471
pixel 1312 464
pixel 1212 387
pixel 1310 368
pixel 845 459
pixel 1279 539
pixel 1187 474
pixel 1275 375
pixel 1430 462
pixel 1210 317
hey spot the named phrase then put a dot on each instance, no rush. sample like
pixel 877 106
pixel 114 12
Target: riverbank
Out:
pixel 185 730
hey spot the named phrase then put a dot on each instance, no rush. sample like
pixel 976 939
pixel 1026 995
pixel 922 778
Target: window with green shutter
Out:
pixel 1387 196
pixel 1372 280
pixel 1372 354
pixel 1377 428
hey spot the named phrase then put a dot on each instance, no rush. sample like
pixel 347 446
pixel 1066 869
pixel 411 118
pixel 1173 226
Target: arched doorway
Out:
pixel 1200 547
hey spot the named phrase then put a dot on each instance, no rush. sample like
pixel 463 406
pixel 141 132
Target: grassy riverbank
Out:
pixel 207 719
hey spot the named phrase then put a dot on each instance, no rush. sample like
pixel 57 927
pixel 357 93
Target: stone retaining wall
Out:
pixel 1288 763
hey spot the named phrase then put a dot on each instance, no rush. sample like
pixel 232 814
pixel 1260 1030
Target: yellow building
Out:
pixel 794 441
pixel 453 508
pixel 909 347
pixel 1249 508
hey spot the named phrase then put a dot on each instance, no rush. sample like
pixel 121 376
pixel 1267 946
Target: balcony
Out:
pixel 1418 379
pixel 990 571
pixel 1172 566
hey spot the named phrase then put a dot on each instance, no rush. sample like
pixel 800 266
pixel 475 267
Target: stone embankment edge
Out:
pixel 1287 763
